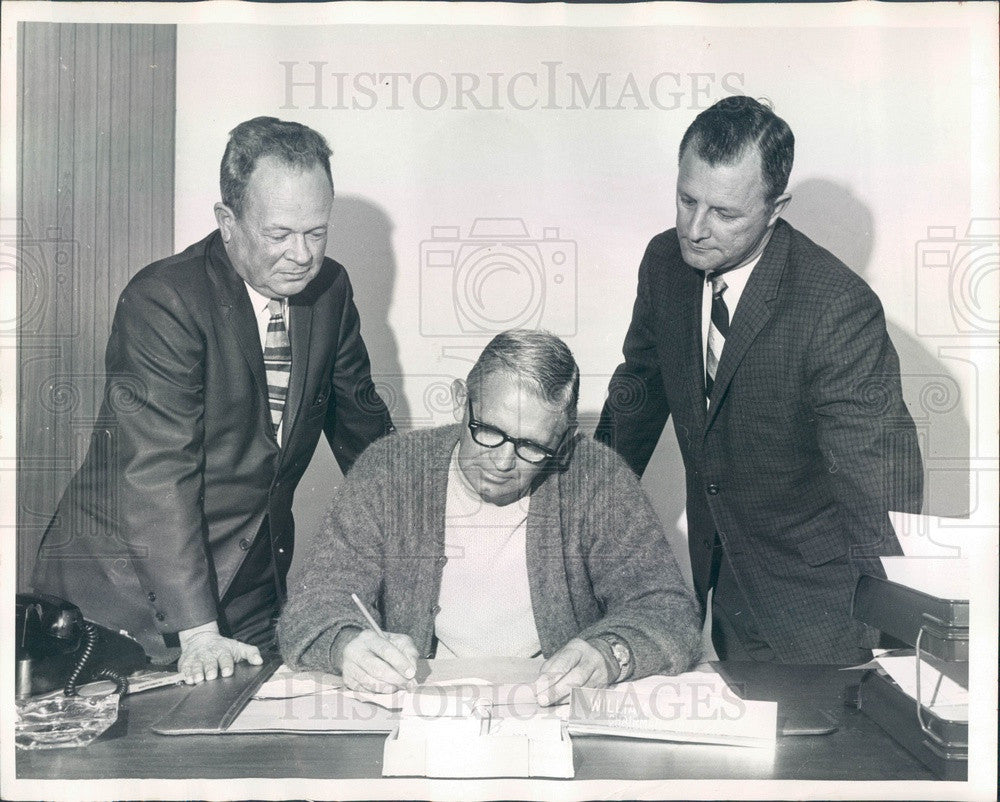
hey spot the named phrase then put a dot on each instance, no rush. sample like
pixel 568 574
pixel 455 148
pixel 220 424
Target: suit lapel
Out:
pixel 234 303
pixel 691 313
pixel 753 311
pixel 299 331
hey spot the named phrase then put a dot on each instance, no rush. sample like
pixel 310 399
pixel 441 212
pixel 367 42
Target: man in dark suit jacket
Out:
pixel 774 361
pixel 178 526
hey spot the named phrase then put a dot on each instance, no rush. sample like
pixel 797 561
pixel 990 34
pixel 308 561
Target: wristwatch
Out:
pixel 622 655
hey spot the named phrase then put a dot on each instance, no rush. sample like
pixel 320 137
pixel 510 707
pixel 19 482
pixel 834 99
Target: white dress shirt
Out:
pixel 736 282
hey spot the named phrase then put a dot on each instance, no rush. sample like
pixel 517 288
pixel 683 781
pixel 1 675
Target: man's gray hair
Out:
pixel 294 144
pixel 537 358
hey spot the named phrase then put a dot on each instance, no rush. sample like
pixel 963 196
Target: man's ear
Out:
pixel 780 204
pixel 567 447
pixel 459 395
pixel 226 219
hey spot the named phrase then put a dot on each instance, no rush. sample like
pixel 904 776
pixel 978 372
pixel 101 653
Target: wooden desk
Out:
pixel 859 750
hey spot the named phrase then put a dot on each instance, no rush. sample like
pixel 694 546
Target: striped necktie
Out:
pixel 277 361
pixel 718 330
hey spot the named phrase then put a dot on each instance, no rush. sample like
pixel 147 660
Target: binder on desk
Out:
pixel 211 707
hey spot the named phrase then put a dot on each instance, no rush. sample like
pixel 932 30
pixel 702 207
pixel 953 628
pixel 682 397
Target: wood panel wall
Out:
pixel 96 195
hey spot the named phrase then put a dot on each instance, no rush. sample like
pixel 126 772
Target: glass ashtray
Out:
pixel 57 721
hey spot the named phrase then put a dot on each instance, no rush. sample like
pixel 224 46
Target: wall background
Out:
pixel 874 169
pixel 95 203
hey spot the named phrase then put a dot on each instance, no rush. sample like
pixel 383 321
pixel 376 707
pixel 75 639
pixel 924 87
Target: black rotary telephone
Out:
pixel 56 647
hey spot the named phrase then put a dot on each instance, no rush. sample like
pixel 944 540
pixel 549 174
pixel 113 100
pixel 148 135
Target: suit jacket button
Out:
pixel 151 596
pixel 707 543
pixel 160 616
pixel 244 544
pixel 435 609
pixel 442 560
pixel 713 489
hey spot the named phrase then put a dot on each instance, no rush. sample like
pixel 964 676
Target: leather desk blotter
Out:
pixel 209 708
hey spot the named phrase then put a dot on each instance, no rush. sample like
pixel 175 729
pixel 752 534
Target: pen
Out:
pixel 368 617
pixel 377 629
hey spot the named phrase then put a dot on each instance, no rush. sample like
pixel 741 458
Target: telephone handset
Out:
pixel 56 646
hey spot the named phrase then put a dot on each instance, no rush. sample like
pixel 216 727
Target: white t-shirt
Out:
pixel 485 600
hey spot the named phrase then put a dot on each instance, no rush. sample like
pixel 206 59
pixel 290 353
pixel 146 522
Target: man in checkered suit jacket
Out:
pixel 774 361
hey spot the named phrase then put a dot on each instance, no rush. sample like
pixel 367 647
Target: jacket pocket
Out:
pixel 823 548
pixel 320 403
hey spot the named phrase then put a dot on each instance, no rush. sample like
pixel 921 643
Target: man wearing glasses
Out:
pixel 508 535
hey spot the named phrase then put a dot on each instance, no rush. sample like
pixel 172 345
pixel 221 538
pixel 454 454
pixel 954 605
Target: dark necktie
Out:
pixel 277 361
pixel 718 330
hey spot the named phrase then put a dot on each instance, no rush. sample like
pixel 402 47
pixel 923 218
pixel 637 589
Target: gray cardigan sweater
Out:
pixel 597 560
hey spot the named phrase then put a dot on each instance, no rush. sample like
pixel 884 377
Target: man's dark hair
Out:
pixel 723 132
pixel 295 144
pixel 536 357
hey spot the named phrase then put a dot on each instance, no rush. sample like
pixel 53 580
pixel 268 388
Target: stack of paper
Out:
pixel 937 692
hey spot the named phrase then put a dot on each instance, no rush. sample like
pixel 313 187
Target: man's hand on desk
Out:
pixel 205 653
pixel 369 662
pixel 575 665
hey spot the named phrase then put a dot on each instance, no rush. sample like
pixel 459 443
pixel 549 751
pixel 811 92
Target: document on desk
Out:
pixel 697 707
pixel 937 692
pixel 314 701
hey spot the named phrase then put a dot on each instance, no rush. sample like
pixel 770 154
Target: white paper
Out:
pixel 696 706
pixel 316 701
pixel 329 710
pixel 285 684
pixel 938 692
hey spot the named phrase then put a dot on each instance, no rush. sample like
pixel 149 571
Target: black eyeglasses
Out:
pixel 492 437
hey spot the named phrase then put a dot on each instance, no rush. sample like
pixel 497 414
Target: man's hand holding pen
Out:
pixel 378 663
pixel 374 660
pixel 575 665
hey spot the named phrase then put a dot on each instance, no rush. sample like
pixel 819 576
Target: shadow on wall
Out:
pixel 833 217
pixel 361 240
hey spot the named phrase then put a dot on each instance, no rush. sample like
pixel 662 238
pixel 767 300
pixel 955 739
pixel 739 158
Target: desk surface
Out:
pixel 858 750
